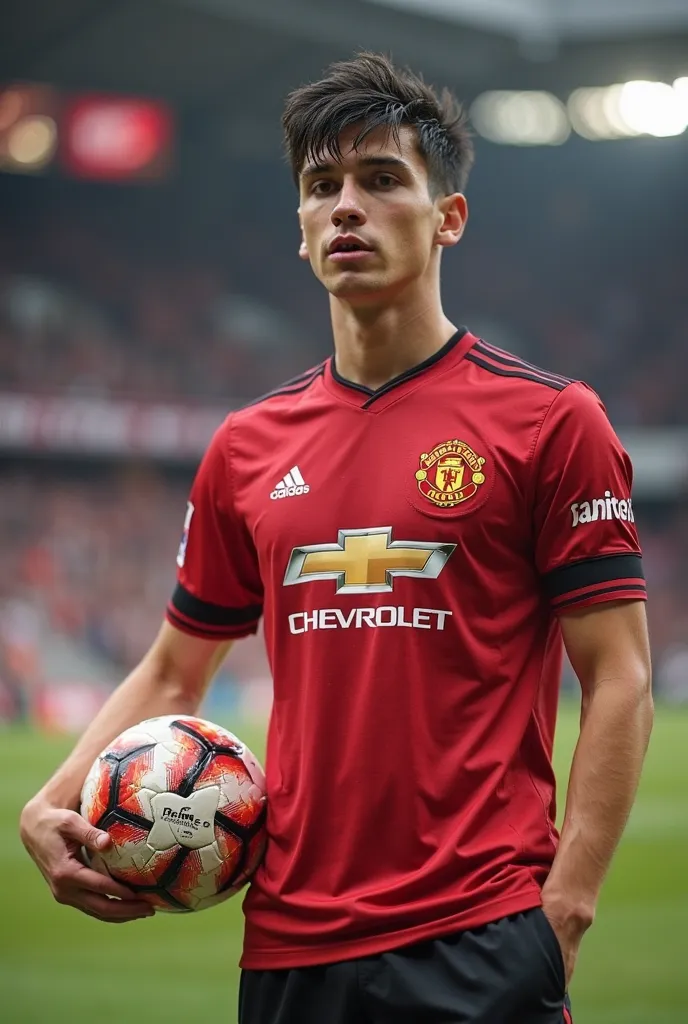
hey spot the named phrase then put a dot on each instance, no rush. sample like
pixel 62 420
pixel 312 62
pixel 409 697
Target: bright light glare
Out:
pixel 521 118
pixel 630 109
pixel 594 114
pixel 681 90
pixel 615 126
pixel 620 111
pixel 652 108
pixel 32 140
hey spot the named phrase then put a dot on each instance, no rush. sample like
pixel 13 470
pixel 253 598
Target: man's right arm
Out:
pixel 171 679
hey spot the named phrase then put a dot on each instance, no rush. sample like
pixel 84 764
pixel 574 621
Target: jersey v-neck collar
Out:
pixel 365 398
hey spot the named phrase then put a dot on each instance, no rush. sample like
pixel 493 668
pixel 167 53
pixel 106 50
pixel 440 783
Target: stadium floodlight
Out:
pixel 593 113
pixel 652 108
pixel 681 89
pixel 630 109
pixel 520 118
pixel 31 142
pixel 615 125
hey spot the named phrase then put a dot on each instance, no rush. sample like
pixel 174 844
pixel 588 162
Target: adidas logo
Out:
pixel 291 485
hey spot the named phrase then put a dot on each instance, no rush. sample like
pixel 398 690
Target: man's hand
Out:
pixel 53 838
pixel 170 680
pixel 569 926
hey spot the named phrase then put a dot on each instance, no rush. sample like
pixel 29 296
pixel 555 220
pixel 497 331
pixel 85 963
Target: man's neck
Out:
pixel 374 345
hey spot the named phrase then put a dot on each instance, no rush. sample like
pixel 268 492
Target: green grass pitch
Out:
pixel 58 966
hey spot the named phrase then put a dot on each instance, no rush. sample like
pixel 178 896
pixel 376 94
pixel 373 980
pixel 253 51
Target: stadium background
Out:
pixel 149 283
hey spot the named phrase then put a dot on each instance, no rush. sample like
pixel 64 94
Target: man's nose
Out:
pixel 349 207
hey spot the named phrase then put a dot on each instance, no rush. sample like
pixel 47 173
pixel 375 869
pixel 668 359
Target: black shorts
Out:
pixel 508 972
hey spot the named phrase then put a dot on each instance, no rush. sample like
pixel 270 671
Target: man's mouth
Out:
pixel 347 248
pixel 347 243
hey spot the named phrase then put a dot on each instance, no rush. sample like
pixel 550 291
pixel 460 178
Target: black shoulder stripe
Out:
pixel 300 378
pixel 509 359
pixel 590 571
pixel 523 374
pixel 299 384
pixel 205 613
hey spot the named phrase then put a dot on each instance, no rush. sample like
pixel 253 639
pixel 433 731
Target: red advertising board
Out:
pixel 115 138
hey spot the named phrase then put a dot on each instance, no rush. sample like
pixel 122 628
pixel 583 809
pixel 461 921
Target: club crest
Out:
pixel 450 474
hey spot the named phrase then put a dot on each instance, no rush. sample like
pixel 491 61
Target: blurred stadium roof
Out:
pixel 238 58
pixel 556 18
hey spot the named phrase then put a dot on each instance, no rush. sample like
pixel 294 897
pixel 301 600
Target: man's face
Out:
pixel 370 226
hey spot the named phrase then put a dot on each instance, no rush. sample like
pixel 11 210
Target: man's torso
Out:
pixel 414 652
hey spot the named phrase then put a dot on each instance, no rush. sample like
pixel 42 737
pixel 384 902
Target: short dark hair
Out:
pixel 369 90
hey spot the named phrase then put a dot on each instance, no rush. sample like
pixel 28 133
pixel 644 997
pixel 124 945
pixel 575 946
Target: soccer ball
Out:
pixel 184 803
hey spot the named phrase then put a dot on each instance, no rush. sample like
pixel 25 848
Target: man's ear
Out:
pixel 454 213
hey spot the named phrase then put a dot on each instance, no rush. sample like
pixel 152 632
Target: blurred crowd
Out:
pixel 79 317
pixel 87 559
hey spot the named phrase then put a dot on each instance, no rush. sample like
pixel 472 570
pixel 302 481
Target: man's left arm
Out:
pixel 608 647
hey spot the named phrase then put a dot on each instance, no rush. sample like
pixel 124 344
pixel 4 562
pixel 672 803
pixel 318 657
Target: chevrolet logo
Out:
pixel 366 561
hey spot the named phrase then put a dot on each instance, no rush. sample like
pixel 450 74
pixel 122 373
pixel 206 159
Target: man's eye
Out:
pixel 386 181
pixel 322 188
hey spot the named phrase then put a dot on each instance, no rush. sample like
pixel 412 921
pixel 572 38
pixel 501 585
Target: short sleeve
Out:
pixel 586 543
pixel 219 595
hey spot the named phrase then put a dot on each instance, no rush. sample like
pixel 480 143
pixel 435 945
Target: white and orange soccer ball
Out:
pixel 184 803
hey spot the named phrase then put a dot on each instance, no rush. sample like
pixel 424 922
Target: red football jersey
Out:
pixel 409 549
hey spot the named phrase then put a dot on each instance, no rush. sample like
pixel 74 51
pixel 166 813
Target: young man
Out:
pixel 420 520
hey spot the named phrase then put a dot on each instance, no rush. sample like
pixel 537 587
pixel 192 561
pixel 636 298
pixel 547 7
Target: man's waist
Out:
pixel 299 931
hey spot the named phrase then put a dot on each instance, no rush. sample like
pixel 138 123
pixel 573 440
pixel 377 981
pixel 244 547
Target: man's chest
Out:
pixel 365 499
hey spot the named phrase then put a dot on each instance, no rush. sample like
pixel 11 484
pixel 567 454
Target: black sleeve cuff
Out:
pixel 605 578
pixel 203 618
